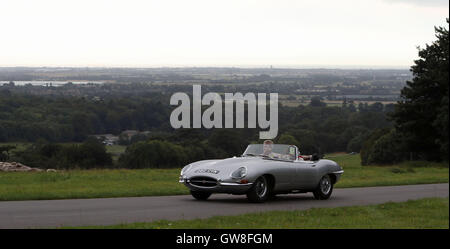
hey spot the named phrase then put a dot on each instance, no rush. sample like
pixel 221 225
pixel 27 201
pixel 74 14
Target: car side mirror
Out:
pixel 315 157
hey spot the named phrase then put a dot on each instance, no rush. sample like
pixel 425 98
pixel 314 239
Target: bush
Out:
pixel 154 154
pixel 90 154
pixel 366 149
pixel 385 149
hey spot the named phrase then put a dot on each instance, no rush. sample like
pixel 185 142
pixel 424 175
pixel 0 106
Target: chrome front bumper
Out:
pixel 338 174
pixel 221 187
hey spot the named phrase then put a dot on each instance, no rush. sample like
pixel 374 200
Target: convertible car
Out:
pixel 262 171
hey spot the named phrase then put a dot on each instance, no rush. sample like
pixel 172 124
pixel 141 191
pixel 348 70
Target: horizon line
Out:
pixel 348 67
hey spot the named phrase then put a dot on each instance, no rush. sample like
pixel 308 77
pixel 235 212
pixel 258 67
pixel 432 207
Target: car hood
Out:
pixel 224 166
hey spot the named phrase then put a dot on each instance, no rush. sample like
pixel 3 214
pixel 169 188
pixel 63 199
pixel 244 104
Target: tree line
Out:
pixel 315 128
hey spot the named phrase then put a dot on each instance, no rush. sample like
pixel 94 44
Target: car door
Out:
pixel 284 173
pixel 305 174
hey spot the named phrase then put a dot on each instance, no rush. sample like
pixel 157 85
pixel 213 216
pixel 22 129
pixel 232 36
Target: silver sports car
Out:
pixel 262 171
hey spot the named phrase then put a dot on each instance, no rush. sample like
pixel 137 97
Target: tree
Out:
pixel 367 147
pixel 287 139
pixel 355 144
pixel 92 153
pixel 422 114
pixel 154 154
pixel 89 154
pixel 230 141
pixel 351 107
pixel 387 149
pixel 4 152
pixel 317 102
pixel 376 107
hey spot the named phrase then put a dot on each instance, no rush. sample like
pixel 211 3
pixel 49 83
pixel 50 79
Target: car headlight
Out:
pixel 239 173
pixel 185 169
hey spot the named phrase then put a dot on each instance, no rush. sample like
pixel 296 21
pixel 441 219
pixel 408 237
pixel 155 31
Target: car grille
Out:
pixel 203 181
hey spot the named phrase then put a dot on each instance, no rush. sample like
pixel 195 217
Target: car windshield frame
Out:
pixel 284 152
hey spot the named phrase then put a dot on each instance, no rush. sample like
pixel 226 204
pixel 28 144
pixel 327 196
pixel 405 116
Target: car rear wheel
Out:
pixel 260 191
pixel 199 195
pixel 324 189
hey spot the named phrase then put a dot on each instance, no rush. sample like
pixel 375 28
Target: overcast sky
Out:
pixel 282 33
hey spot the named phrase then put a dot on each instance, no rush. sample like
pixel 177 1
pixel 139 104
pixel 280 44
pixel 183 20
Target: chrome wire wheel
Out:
pixel 261 187
pixel 260 191
pixel 324 188
pixel 325 185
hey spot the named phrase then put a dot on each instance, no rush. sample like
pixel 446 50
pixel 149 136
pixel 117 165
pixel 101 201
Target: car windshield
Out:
pixel 272 151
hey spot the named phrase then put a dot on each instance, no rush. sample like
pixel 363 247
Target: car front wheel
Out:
pixel 324 189
pixel 199 195
pixel 260 190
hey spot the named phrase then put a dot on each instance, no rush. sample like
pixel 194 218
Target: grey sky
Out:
pixel 440 3
pixel 282 33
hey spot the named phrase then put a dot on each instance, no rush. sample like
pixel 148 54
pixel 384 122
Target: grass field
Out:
pixel 152 182
pixel 115 151
pixel 296 100
pixel 416 172
pixel 424 213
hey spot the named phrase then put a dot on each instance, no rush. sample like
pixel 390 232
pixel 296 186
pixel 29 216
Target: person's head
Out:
pixel 267 147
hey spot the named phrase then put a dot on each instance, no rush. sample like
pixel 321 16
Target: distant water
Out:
pixel 50 83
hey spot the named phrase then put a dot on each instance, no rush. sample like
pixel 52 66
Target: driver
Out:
pixel 267 148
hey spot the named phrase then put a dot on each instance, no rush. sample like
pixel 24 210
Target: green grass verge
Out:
pixel 89 184
pixel 152 182
pixel 406 173
pixel 424 213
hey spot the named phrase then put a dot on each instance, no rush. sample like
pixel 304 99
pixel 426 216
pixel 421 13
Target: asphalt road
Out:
pixel 109 211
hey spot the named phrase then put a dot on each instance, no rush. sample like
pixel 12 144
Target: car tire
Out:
pixel 324 188
pixel 260 191
pixel 200 195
